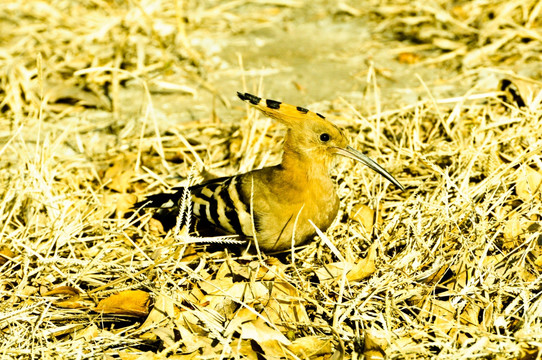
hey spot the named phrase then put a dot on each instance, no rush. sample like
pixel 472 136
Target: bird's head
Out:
pixel 311 136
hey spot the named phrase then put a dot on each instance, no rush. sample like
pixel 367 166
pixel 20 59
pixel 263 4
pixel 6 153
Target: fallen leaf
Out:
pixel 274 269
pixel 166 334
pixel 156 227
pixel 29 290
pixel 436 276
pixel 527 276
pixel 363 268
pixel 76 94
pixel 538 261
pixel 63 290
pixel 408 58
pixel 125 203
pixel 243 349
pixel 72 299
pixel 191 340
pixel 259 331
pixel 129 302
pixel 273 349
pixel 310 346
pixel 126 355
pixel 162 311
pixel 332 272
pixel 120 172
pixel 372 349
pixel 285 305
pixel 243 315
pixel 89 333
pixel 460 11
pixel 521 93
pixel 529 184
pixel 364 215
pixel 443 313
pixel 5 254
pixel 529 352
pixel 71 303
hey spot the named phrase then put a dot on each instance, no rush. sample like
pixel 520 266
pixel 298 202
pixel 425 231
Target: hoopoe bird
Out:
pixel 273 205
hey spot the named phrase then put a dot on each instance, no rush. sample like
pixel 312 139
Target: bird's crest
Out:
pixel 287 114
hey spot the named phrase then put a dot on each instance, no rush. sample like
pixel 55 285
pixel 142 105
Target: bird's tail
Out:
pixel 163 200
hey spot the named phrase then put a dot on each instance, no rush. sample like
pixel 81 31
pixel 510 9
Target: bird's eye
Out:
pixel 325 137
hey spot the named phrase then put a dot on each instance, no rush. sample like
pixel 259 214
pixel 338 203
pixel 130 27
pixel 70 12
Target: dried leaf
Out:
pixel 243 349
pixel 74 94
pixel 529 184
pixel 130 302
pixel 243 315
pixel 72 299
pixel 63 290
pixel 162 312
pixel 126 355
pixel 118 176
pixel 443 313
pixel 166 334
pixel 364 268
pixel 285 304
pixel 71 303
pixel 125 203
pixel 436 276
pixel 372 349
pixel 529 352
pixel 521 93
pixel 5 254
pixel 310 346
pixel 259 331
pixel 364 215
pixel 29 290
pixel 274 269
pixel 156 227
pixel 332 272
pixel 160 86
pixel 89 333
pixel 408 58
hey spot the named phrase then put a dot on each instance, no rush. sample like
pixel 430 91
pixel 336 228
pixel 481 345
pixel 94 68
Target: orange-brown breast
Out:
pixel 284 202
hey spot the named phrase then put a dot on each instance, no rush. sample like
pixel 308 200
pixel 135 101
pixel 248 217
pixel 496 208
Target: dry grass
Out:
pixel 452 270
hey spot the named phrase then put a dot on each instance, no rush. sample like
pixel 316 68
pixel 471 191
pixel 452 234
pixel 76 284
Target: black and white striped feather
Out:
pixel 219 203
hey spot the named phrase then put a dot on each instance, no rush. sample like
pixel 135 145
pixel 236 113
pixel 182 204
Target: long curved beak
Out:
pixel 352 153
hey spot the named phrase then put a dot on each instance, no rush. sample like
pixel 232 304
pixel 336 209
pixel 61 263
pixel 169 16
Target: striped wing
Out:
pixel 220 203
pixel 223 204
